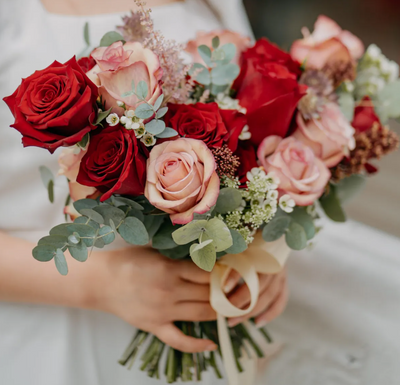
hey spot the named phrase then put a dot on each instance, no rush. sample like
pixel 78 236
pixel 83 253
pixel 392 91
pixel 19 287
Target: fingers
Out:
pixel 188 271
pixel 241 297
pixel 192 311
pixel 264 301
pixel 192 292
pixel 231 281
pixel 276 308
pixel 175 338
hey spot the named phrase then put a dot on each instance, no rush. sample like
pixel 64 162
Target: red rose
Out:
pixel 52 107
pixel 247 159
pixel 115 163
pixel 206 122
pixel 267 87
pixel 86 63
pixel 365 116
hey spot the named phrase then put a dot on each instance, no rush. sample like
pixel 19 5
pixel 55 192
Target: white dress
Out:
pixel 341 325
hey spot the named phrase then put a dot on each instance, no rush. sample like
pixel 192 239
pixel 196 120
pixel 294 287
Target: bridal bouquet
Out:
pixel 227 160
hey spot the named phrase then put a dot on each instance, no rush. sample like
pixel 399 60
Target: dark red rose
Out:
pixel 115 163
pixel 248 160
pixel 86 63
pixel 206 122
pixel 365 116
pixel 53 107
pixel 267 87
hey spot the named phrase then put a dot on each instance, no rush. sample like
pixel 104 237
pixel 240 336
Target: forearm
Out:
pixel 24 279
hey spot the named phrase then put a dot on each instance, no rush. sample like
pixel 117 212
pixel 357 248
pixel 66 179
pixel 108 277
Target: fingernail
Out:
pixel 211 348
pixel 229 285
pixel 261 323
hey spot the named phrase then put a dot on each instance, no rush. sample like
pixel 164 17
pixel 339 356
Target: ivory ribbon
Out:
pixel 260 257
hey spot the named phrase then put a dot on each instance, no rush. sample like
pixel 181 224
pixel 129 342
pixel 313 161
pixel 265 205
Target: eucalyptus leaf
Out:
pixel 144 111
pixel 331 205
pixel 74 239
pixel 204 257
pixel 86 34
pixel 161 112
pixel 158 102
pixel 50 191
pixel 275 228
pixel 93 215
pixel 56 241
pixel 99 243
pixel 142 90
pixel 61 262
pixel 178 252
pixel 167 133
pixel 202 74
pixel 79 252
pixel 44 253
pixel 202 245
pixel 163 238
pixel 107 235
pixel 189 232
pixel 110 212
pixel 215 90
pixel 229 199
pixel 348 187
pixel 135 213
pixel 84 220
pixel 300 216
pixel 155 127
pixel 219 232
pixel 101 116
pixel 205 53
pixel 121 201
pixel 239 244
pixel 110 38
pixel 84 204
pixel 229 52
pixel 224 74
pixel 133 231
pixel 61 229
pixel 296 237
pixel 347 104
pixel 152 224
pixel 46 175
pixel 215 42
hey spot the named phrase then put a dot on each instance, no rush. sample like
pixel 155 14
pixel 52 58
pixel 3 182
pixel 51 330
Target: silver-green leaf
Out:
pixel 203 256
pixel 134 232
pixel 189 232
pixel 229 199
pixel 61 262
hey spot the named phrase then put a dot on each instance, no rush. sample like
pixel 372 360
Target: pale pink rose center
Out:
pixel 116 55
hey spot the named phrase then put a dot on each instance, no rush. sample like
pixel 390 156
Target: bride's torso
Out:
pixel 31 38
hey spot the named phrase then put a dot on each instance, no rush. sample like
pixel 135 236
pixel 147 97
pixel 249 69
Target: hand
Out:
pixel 271 301
pixel 151 291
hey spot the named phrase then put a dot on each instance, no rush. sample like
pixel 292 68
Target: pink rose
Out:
pixel 119 64
pixel 181 179
pixel 330 137
pixel 327 44
pixel 302 175
pixel 225 36
pixel 69 162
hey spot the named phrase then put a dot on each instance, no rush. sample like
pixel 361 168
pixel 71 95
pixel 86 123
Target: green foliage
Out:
pixel 133 231
pixel 110 38
pixel 152 224
pixel 300 216
pixel 202 74
pixel 158 103
pixel 347 104
pixel 48 181
pixel 101 116
pixel 178 252
pixel 229 199
pixel 86 34
pixel 155 126
pixel 142 90
pixel 44 253
pixel 84 142
pixel 161 112
pixel 61 263
pixel 224 74
pixel 296 237
pixel 107 235
pixel 331 205
pixel 79 252
pixel 144 111
pixel 163 238
pixel 189 232
pixel 205 53
pixel 239 244
pixel 388 105
pixel 167 133
pixel 121 201
pixel 215 42
pixel 204 255
pixel 84 204
pixel 110 212
pixel 229 52
pixel 276 228
pixel 56 241
pixel 92 215
pixel 218 231
pixel 348 187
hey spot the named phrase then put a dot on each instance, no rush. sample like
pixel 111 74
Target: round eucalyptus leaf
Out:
pixel 110 38
pixel 239 244
pixel 205 53
pixel 296 237
pixel 163 237
pixel 331 205
pixel 137 214
pixel 99 243
pixel 189 232
pixel 61 262
pixel 277 227
pixel 219 232
pixel 167 133
pixel 224 74
pixel 300 216
pixel 229 52
pixel 229 199
pixel 133 231
pixel 57 241
pixel 110 212
pixel 152 224
pixel 204 257
pixel 155 127
pixel 158 102
pixel 121 201
pixel 144 111
pixel 79 252
pixel 85 204
pixel 202 75
pixel 107 235
pixel 61 229
pixel 93 215
pixel 215 42
pixel 142 89
pixel 178 252
pixel 44 253
pixel 349 187
pixel 74 239
pixel 84 221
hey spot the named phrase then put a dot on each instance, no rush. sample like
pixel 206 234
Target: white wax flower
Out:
pixel 112 119
pixel 148 140
pixel 286 203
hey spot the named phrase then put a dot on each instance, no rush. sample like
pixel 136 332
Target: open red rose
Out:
pixel 86 63
pixel 365 116
pixel 267 87
pixel 206 122
pixel 115 163
pixel 53 107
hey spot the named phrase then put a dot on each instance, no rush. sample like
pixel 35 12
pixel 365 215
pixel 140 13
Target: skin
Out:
pixel 138 285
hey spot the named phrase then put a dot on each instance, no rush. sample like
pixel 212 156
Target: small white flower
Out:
pixel 245 134
pixel 273 180
pixel 120 104
pixel 374 52
pixel 127 122
pixel 252 173
pixel 393 71
pixel 273 195
pixel 112 119
pixel 139 132
pixel 130 113
pixel 286 203
pixel 148 140
pixel 257 202
pixel 242 205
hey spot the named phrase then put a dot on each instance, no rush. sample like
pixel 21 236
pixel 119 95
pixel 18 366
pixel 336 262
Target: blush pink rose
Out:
pixel 181 179
pixel 331 137
pixel 225 36
pixel 119 64
pixel 327 44
pixel 302 175
pixel 69 161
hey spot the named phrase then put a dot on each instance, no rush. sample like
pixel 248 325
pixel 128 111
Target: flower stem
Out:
pixel 133 348
pixel 246 335
pixel 149 354
pixel 213 363
pixel 172 365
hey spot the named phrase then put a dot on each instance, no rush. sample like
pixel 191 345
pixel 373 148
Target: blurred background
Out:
pixel 374 21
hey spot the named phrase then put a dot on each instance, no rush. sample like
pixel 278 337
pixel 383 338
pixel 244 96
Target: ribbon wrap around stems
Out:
pixel 260 257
